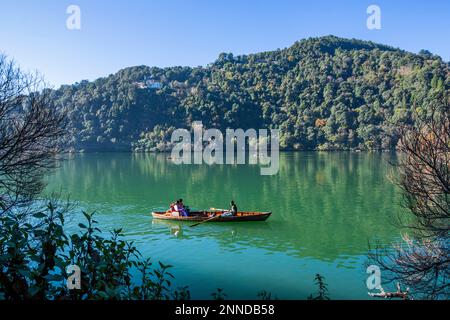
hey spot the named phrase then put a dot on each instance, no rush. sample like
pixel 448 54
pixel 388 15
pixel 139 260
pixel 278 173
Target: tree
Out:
pixel 422 261
pixel 30 135
pixel 34 248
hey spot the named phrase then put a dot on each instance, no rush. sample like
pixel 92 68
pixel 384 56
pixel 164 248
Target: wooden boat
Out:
pixel 199 216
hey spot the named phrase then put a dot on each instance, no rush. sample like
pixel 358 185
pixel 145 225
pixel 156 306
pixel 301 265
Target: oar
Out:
pixel 217 216
pixel 196 224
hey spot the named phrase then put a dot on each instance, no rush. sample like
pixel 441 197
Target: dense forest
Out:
pixel 323 93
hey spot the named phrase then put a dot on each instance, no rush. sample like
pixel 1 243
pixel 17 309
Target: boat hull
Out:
pixel 202 216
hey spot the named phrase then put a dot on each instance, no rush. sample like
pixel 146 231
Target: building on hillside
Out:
pixel 148 84
pixel 153 84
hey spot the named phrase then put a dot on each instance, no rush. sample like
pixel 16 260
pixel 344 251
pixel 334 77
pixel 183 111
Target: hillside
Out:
pixel 323 93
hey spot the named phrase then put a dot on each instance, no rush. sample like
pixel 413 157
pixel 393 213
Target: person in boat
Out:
pixel 232 211
pixel 233 208
pixel 179 207
pixel 182 208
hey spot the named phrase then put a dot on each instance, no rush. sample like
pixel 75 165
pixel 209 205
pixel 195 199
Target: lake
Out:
pixel 326 208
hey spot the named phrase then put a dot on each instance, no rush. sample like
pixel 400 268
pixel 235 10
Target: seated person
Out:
pixel 232 211
pixel 179 207
pixel 233 208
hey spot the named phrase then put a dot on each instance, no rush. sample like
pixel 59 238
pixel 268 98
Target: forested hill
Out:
pixel 323 93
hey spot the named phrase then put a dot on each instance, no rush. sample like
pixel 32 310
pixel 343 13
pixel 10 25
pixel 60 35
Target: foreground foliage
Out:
pixel 322 289
pixel 35 254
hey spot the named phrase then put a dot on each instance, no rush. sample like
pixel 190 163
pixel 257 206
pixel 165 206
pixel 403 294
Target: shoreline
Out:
pixel 281 151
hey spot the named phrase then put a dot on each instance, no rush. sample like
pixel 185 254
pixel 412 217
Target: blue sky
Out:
pixel 117 33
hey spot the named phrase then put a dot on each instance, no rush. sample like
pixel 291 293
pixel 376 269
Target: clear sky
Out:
pixel 119 33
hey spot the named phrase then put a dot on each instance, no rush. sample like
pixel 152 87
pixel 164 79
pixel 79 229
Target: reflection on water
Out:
pixel 326 207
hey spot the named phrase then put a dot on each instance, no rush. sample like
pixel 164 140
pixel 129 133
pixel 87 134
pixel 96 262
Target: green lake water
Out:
pixel 326 208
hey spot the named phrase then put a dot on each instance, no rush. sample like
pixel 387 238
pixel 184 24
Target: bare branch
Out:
pixel 422 261
pixel 31 132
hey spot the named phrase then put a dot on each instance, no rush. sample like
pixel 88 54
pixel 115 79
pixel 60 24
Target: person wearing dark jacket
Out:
pixel 233 208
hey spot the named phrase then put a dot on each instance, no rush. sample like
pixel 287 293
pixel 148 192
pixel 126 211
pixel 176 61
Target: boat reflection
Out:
pixel 239 237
